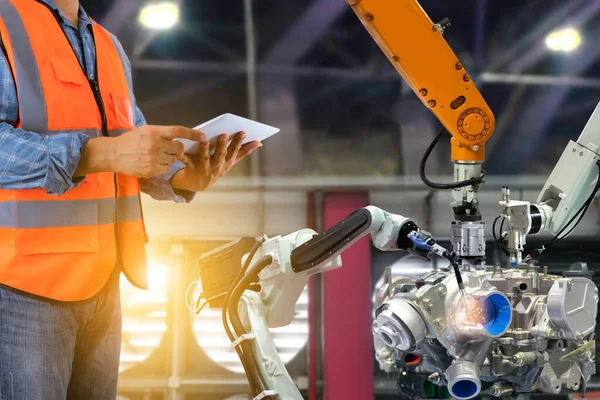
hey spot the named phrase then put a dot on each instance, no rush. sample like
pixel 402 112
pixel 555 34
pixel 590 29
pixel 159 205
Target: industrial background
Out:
pixel 352 134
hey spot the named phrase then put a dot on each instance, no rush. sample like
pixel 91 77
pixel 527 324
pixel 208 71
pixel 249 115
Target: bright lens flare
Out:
pixel 472 313
pixel 160 16
pixel 565 40
pixel 144 315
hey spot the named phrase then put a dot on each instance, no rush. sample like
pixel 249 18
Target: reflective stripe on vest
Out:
pixel 65 247
pixel 31 95
pixel 54 214
pixel 92 133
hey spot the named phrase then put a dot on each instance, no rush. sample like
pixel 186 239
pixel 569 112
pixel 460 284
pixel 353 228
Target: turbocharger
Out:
pixel 479 342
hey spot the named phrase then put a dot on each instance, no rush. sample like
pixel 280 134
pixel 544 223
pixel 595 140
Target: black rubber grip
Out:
pixel 323 246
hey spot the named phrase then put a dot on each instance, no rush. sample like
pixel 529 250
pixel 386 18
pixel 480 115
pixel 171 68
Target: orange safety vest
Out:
pixel 66 247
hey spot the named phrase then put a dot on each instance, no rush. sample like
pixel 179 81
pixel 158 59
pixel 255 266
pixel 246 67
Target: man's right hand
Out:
pixel 150 150
pixel 142 153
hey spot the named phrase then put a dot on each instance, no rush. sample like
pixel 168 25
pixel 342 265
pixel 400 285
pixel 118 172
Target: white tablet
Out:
pixel 230 124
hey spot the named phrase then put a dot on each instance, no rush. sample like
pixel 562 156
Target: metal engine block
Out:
pixel 521 330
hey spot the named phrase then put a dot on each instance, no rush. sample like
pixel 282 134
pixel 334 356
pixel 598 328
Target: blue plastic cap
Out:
pixel 420 244
pixel 464 389
pixel 514 264
pixel 498 314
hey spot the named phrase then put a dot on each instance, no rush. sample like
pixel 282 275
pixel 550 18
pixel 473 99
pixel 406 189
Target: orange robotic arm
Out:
pixel 416 48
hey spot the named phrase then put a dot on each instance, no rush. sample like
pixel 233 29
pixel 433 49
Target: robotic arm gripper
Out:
pixel 565 197
pixel 297 256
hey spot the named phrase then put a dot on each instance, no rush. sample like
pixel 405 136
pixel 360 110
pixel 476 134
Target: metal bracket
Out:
pixel 265 394
pixel 241 338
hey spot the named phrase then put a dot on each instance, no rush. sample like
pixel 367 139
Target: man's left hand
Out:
pixel 203 170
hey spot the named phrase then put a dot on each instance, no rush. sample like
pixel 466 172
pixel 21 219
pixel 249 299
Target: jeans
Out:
pixel 51 351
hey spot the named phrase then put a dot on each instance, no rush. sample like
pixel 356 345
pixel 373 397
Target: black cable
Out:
pixel 250 277
pixel 240 275
pixel 580 213
pixel 582 210
pixel 254 379
pixel 442 186
pixel 199 307
pixel 244 349
pixel 498 237
pixel 208 300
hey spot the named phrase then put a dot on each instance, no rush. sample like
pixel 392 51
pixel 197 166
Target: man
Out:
pixel 76 152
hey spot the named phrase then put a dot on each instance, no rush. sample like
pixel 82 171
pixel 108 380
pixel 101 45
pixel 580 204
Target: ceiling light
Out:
pixel 565 40
pixel 160 16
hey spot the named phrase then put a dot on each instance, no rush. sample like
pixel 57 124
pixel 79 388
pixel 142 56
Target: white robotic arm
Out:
pixel 292 259
pixel 564 197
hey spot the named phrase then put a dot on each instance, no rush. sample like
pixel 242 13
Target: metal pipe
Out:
pixel 176 320
pixel 545 80
pixel 251 68
pixel 355 73
pixel 479 45
pixel 493 183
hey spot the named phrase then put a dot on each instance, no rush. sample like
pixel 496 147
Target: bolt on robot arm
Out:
pixel 564 199
pixel 292 259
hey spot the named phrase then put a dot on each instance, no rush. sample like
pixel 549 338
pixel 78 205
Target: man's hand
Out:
pixel 142 153
pixel 150 150
pixel 203 170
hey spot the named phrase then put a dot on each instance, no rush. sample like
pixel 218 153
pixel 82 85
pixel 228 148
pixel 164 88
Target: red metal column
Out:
pixel 348 343
pixel 313 313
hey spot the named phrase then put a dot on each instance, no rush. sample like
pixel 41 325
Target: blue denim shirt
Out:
pixel 30 161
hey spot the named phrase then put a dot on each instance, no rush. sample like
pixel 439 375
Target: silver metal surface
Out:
pixel 534 351
pixel 400 326
pixel 572 306
pixel 501 389
pixel 468 240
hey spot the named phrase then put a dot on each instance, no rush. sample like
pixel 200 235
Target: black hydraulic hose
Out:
pixel 442 186
pixel 252 373
pixel 244 349
pixel 240 275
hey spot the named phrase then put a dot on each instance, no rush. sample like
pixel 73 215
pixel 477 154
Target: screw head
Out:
pixel 550 332
pixel 438 323
pixel 427 303
pixel 442 291
pixel 434 378
pixel 475 148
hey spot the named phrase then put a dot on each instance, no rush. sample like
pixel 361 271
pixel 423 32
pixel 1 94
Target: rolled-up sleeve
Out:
pixel 31 161
pixel 161 187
